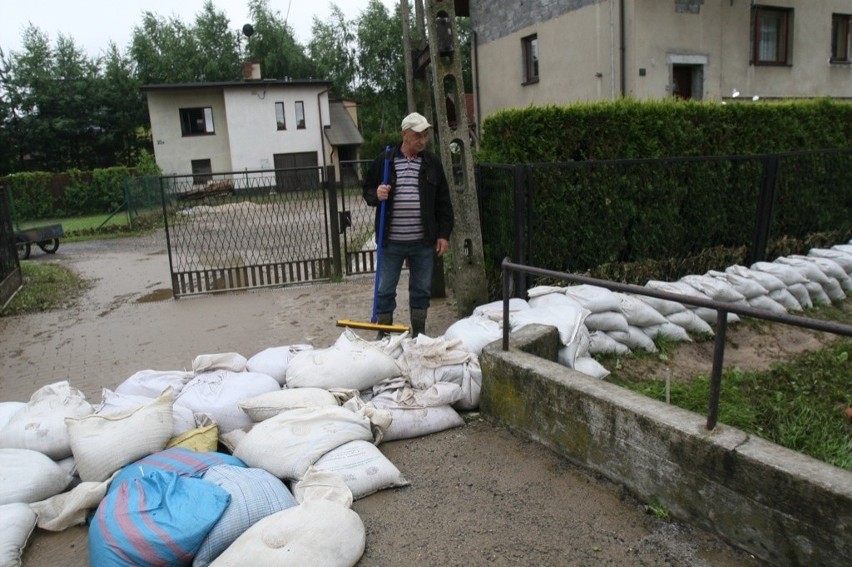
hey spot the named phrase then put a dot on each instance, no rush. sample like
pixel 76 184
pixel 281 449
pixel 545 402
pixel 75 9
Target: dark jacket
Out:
pixel 436 209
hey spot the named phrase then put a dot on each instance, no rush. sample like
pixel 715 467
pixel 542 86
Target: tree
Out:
pixel 275 47
pixel 218 47
pixel 164 51
pixel 124 112
pixel 332 49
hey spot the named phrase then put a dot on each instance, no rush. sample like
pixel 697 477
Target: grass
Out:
pixel 800 404
pixel 91 227
pixel 46 287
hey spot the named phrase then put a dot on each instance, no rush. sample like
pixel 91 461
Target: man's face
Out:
pixel 416 141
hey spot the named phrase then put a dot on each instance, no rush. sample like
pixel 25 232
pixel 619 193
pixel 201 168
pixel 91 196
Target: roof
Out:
pixel 250 84
pixel 342 130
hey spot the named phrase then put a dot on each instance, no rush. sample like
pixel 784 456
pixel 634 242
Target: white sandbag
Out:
pixel 785 298
pixel 429 360
pixel 766 303
pixel 218 393
pixel 112 402
pixel 817 294
pixel 765 279
pixel 351 362
pixel 593 298
pixel 602 343
pixel 231 361
pixel 638 313
pixel 668 330
pixel 321 485
pixel 590 367
pixel 548 299
pixel 29 476
pixel 274 361
pixel 71 508
pixel 17 522
pixel 714 288
pixel 566 318
pixel 691 322
pixel 606 321
pixel 634 339
pixel 271 404
pixel 152 383
pixel 290 442
pixel 419 412
pixel 363 467
pixel 682 288
pixel 800 292
pixel 831 269
pixel 539 290
pixel 40 426
pixel 578 347
pixel 475 333
pixel 786 274
pixel 843 259
pixel 747 287
pixel 9 409
pixel 103 444
pixel 830 286
pixel 316 532
pixel 494 309
pixel 662 306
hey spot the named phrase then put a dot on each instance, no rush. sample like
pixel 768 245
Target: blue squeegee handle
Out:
pixel 380 236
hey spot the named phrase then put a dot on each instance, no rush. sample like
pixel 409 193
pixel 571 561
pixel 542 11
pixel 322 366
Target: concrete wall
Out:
pixel 779 505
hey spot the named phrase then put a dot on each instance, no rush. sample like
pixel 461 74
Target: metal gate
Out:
pixel 357 220
pixel 240 230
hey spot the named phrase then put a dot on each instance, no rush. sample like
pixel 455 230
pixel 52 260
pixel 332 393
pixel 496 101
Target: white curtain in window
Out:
pixel 770 35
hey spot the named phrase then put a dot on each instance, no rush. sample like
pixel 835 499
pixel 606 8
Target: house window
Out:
pixel 840 24
pixel 201 172
pixel 279 116
pixel 300 115
pixel 196 121
pixel 529 47
pixel 771 35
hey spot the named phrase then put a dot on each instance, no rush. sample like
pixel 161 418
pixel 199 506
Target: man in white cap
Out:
pixel 419 220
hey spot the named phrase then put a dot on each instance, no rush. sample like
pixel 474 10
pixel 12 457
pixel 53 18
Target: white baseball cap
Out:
pixel 416 122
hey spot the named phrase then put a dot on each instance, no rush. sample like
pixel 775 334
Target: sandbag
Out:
pixel 271 404
pixel 288 443
pixel 104 443
pixel 29 476
pixel 593 298
pixel 843 259
pixel 218 394
pixel 668 330
pixel 590 367
pixel 830 286
pixel 158 519
pixel 255 494
pixel 40 425
pixel 363 467
pixel 71 508
pixel 429 360
pixel 606 321
pixel 634 339
pixel 764 279
pixel 274 361
pixel 714 288
pixel 602 343
pixel 17 522
pixel 351 362
pixel 152 383
pixel 786 274
pixel 691 322
pixel 113 402
pixel 566 318
pixel 230 361
pixel 8 410
pixel 316 532
pixel 831 268
pixel 785 298
pixel 766 303
pixel 474 332
pixel 747 287
pixel 420 412
pixel 494 309
pixel 177 460
pixel 637 312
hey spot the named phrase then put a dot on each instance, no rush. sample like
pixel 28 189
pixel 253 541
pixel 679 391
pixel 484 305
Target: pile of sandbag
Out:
pixel 593 320
pixel 265 454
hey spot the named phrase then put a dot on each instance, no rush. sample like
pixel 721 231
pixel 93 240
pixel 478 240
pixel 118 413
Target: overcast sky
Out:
pixel 93 23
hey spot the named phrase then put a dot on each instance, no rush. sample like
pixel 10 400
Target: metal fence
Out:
pixel 576 216
pixel 10 267
pixel 230 231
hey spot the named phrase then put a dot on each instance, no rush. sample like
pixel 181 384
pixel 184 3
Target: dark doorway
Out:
pixel 688 81
pixel 296 171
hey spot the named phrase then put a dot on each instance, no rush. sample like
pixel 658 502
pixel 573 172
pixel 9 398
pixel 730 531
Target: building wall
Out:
pixel 580 50
pixel 172 150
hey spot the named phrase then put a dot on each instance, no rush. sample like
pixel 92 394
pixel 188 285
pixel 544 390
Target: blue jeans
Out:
pixel 421 261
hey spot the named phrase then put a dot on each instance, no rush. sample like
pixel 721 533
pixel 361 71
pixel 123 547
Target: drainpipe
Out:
pixel 622 48
pixel 612 49
pixel 322 128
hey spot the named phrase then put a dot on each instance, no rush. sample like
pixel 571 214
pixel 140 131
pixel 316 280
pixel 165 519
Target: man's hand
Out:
pixel 382 192
pixel 441 246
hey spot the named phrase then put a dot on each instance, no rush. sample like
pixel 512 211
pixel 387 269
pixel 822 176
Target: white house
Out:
pixel 249 125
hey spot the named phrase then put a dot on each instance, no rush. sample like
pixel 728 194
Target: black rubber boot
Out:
pixel 383 319
pixel 418 322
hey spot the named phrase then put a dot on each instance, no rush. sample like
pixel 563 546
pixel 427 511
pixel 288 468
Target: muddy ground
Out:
pixel 478 494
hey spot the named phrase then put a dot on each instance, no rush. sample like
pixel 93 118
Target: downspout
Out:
pixel 612 49
pixel 322 127
pixel 474 39
pixel 622 48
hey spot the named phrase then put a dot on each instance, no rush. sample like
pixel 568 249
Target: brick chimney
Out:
pixel 251 70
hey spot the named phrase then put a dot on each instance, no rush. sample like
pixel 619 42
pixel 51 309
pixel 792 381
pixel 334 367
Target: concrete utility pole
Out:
pixel 434 55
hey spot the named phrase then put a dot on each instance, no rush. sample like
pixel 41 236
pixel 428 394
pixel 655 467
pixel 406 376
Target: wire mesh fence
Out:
pixel 10 268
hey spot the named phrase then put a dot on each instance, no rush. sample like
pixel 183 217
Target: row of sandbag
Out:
pixel 226 392
pixel 594 320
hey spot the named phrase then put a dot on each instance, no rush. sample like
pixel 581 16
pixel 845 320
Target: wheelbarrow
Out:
pixel 45 237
